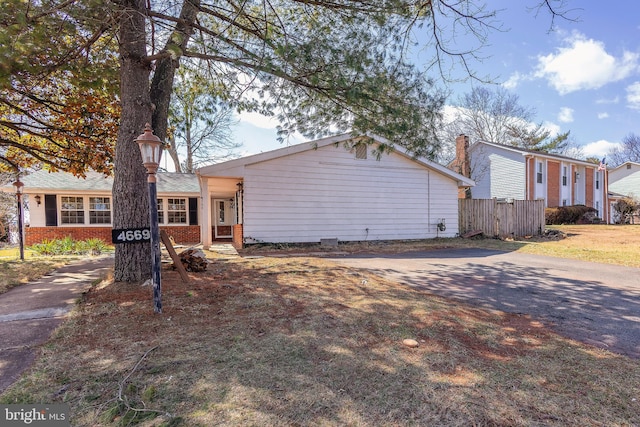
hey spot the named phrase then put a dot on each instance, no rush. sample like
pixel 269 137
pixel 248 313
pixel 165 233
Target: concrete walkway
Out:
pixel 31 312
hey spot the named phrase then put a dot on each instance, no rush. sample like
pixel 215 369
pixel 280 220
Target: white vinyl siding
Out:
pixel 327 193
pixel 498 173
pixel 625 180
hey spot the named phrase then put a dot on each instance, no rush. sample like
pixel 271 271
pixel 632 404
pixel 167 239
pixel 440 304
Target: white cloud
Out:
pixel 614 100
pixel 599 148
pixel 553 128
pixel 565 115
pixel 513 81
pixel 584 64
pixel 258 120
pixel 633 95
pixel 604 115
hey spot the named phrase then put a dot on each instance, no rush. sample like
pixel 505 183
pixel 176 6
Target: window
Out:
pixel 628 166
pixel 99 210
pixel 564 176
pixel 160 211
pixel 221 212
pixel 361 151
pixel 71 210
pixel 176 211
pixel 564 202
pixel 539 175
pixel 597 180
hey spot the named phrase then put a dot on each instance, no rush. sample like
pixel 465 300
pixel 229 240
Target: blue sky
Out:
pixel 583 77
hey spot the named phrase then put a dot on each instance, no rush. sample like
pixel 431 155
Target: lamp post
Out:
pixel 151 150
pixel 19 186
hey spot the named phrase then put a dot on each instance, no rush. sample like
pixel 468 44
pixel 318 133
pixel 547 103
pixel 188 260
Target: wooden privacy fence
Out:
pixel 501 218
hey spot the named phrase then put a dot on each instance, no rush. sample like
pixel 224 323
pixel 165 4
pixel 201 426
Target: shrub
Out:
pixel 577 214
pixel 625 209
pixel 68 246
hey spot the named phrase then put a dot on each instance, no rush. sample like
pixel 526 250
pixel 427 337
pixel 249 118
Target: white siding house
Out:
pixel 625 180
pixel 498 172
pixel 326 190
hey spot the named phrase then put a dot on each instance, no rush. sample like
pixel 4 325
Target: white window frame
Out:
pixel 63 211
pixel 539 173
pixel 164 212
pixel 100 213
pixel 86 216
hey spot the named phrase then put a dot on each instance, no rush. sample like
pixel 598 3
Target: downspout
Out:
pixel 527 184
pixel 428 201
pixel 205 227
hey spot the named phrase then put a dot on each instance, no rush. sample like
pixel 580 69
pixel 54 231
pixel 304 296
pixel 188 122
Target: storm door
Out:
pixel 223 211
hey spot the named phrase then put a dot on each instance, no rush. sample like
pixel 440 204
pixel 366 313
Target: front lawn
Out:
pixel 282 341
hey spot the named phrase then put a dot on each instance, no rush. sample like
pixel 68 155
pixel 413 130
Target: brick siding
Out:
pixel 187 234
pixel 588 199
pixel 238 238
pixel 553 184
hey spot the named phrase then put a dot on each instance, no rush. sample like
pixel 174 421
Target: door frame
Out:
pixel 230 211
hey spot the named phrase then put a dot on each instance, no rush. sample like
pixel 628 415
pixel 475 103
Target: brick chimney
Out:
pixel 462 164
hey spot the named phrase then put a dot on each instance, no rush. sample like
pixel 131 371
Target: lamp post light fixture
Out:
pixel 151 150
pixel 19 186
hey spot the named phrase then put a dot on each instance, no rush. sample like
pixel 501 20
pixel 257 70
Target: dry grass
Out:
pixel 14 272
pixel 610 244
pixel 301 341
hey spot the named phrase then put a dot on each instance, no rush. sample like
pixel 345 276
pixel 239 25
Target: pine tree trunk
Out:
pixel 165 68
pixel 130 189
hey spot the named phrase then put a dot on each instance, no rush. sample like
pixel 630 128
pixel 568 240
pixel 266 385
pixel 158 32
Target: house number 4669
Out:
pixel 131 235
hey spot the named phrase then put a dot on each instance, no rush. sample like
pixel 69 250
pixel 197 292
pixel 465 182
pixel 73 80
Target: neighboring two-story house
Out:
pixel 511 173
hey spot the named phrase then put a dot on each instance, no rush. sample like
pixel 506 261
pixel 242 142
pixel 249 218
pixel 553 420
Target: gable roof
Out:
pixel 626 164
pixel 528 152
pixel 45 181
pixel 236 167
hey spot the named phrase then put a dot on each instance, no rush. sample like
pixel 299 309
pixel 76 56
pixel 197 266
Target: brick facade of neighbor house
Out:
pixel 589 184
pixel 553 185
pixel 531 163
pixel 188 234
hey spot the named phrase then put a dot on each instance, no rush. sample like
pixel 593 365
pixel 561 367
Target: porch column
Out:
pixel 205 228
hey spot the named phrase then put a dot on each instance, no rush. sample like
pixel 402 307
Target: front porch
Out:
pixel 222 200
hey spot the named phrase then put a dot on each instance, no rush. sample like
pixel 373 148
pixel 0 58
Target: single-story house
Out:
pixel 511 173
pixel 332 189
pixel 61 204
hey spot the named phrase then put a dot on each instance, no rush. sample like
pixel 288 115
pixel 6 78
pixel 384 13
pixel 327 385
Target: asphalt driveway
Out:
pixel 598 304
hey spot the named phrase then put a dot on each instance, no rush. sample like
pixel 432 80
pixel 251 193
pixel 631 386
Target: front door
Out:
pixel 223 214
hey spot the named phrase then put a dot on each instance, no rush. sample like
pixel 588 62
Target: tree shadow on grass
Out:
pixel 300 353
pixel 590 311
pixel 307 342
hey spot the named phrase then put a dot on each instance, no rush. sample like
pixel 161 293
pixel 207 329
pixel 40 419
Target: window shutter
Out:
pixel 193 211
pixel 50 210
